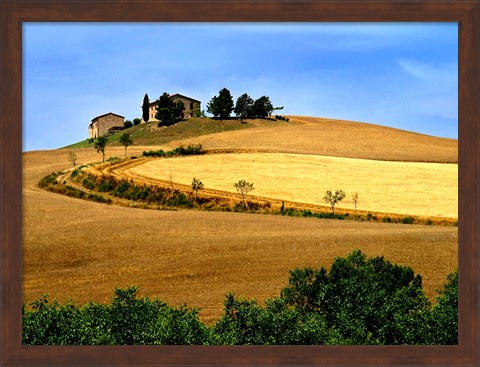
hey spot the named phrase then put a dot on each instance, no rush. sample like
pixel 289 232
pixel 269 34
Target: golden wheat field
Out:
pixel 81 250
pixel 410 188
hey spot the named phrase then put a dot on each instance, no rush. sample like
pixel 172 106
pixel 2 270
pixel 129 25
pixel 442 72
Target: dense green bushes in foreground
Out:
pixel 359 301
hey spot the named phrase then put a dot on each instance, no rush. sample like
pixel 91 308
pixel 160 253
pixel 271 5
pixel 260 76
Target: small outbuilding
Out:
pixel 105 124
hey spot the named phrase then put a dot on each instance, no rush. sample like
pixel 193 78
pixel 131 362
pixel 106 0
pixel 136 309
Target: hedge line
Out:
pixel 358 301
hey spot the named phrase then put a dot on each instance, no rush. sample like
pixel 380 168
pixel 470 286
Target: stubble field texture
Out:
pixel 80 250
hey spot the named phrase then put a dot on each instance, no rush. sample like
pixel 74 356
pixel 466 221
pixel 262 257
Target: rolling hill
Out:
pixel 301 135
pixel 81 250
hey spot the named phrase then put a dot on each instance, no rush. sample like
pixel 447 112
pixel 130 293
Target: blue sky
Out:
pixel 399 75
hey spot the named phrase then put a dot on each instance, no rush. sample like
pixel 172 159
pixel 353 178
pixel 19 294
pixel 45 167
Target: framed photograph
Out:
pixel 269 183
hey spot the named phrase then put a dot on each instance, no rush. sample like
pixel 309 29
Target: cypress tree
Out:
pixel 145 108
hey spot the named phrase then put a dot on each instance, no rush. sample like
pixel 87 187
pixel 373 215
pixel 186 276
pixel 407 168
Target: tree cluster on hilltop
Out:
pixel 222 106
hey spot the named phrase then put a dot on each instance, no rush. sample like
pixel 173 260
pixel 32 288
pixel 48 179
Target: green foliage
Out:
pixel 221 106
pixel 168 111
pixel 196 186
pixel 127 321
pixel 333 198
pixel 127 124
pixel 244 106
pixel 48 180
pixel 88 184
pixel 243 188
pixel 305 288
pixel 281 118
pixel 100 145
pixel 246 323
pixel 364 301
pixel 146 108
pixel 98 198
pixel 445 313
pixel 136 121
pixel 408 220
pixel 105 186
pixel 262 107
pixel 178 151
pixel 126 140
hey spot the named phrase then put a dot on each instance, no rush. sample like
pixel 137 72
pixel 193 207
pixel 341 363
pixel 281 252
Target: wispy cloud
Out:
pixel 429 71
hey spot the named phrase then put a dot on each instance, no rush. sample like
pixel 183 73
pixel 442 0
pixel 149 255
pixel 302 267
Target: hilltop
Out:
pixel 301 135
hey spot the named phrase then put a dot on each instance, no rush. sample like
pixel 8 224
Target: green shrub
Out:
pixel 387 220
pixel 365 301
pixel 122 188
pixel 105 186
pixel 88 184
pixel 445 313
pixel 178 151
pixel 408 220
pixel 281 118
pixel 98 198
pixel 126 321
pixel 246 323
pixel 136 121
pixel 154 153
pixel 127 124
pixel 48 180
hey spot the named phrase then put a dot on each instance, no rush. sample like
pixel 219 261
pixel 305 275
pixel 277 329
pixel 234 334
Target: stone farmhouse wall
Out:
pixel 101 124
pixel 192 107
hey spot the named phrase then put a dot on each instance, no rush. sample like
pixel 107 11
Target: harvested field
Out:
pixel 338 138
pixel 79 250
pixel 409 188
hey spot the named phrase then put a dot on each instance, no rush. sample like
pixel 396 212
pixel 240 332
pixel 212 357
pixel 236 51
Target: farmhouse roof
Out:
pixel 177 95
pixel 109 113
pixel 181 95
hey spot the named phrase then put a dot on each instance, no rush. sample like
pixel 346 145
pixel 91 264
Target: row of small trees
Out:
pixel 222 106
pixel 244 187
pixel 100 145
pixel 333 198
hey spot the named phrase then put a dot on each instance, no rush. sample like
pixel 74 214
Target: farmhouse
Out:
pixel 192 107
pixel 104 124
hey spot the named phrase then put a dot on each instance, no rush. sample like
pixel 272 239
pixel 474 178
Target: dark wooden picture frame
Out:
pixel 14 12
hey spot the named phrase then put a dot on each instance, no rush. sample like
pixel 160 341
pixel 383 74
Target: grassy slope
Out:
pixel 151 134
